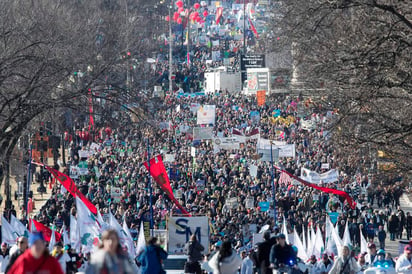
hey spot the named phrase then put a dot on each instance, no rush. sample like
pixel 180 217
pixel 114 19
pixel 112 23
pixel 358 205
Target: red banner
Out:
pixel 219 12
pixel 159 174
pixel 70 185
pixel 91 119
pixel 47 232
pixel 341 193
pixel 253 28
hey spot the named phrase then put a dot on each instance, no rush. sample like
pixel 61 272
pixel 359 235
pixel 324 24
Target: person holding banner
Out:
pixel 194 252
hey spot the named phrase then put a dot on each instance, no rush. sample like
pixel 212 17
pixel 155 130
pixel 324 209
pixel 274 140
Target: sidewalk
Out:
pixel 18 171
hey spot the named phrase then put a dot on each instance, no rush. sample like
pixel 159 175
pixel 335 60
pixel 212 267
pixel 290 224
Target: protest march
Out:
pixel 254 178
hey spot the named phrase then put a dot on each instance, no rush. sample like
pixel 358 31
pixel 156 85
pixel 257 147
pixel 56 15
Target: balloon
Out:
pixel 167 18
pixel 179 20
pixel 180 10
pixel 205 13
pixel 194 15
pixel 175 16
pixel 196 6
pixel 198 19
pixel 179 3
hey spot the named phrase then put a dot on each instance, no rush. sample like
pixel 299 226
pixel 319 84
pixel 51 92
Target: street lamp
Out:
pixel 273 176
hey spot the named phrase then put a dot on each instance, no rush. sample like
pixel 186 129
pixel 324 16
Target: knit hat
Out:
pixel 34 237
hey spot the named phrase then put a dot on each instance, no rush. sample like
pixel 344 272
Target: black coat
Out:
pixel 262 256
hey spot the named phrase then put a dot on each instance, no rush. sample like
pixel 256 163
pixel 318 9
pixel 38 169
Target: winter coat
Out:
pixel 194 251
pixel 352 265
pixel 402 265
pixel 228 265
pixel 393 224
pixel 102 262
pixel 151 259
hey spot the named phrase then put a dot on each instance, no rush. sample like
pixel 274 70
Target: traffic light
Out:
pixel 126 55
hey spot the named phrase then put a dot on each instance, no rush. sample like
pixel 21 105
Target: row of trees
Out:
pixel 360 53
pixel 52 53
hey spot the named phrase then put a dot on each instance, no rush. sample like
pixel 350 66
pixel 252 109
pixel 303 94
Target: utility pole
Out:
pixel 170 48
pixel 244 26
pixel 188 41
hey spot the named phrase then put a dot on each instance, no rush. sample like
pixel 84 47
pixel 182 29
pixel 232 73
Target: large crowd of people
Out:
pixel 119 150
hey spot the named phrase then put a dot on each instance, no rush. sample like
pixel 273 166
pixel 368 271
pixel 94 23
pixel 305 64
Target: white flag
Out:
pixel 363 243
pixel 318 246
pixel 346 237
pixel 141 241
pixel 129 241
pixel 52 241
pixel 74 234
pixel 301 249
pixel 330 242
pixel 304 238
pixel 336 238
pixel 8 234
pixel 88 227
pixel 285 231
pixel 309 245
pixel 19 227
pixel 65 235
pixel 123 236
pixel 103 225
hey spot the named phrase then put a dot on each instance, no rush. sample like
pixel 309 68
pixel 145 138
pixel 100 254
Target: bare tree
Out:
pixel 53 53
pixel 359 52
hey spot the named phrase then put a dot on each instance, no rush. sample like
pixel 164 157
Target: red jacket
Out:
pixel 27 264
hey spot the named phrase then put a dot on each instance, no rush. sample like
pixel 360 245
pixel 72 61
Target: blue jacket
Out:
pixel 150 259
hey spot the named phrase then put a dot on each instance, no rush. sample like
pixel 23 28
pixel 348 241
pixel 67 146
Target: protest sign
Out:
pixel 116 194
pixel 206 114
pixel 314 177
pixel 202 133
pixel 226 143
pixel 181 228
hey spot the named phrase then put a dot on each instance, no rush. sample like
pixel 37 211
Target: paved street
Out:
pixel 393 246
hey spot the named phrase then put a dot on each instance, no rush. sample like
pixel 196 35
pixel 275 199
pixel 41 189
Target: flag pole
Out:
pixel 150 188
pixel 28 180
pixel 273 182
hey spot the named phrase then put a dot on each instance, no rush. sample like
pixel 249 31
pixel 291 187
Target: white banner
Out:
pixel 83 168
pixel 161 235
pixel 226 143
pixel 232 203
pixel 74 172
pixel 194 107
pixel 285 151
pixel 116 193
pixel 202 133
pixel 179 231
pixel 206 115
pixel 84 154
pixel 265 143
pixel 307 125
pixel 169 158
pixel 314 177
